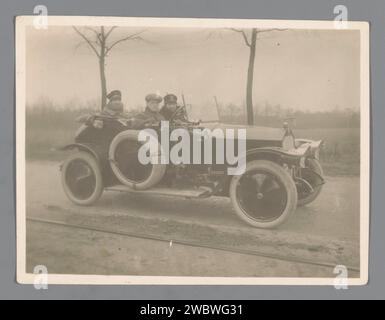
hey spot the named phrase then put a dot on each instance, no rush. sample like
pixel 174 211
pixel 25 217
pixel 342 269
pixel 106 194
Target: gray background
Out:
pixel 372 11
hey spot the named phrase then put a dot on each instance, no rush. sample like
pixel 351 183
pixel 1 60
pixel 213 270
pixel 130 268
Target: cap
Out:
pixel 170 98
pixel 153 97
pixel 114 94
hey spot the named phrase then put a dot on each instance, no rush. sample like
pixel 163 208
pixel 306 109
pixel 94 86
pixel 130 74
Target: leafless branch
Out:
pixel 93 30
pixel 134 36
pixel 243 35
pixel 210 35
pixel 213 34
pixel 148 41
pixel 80 43
pixel 109 31
pixel 97 34
pixel 269 30
pixel 87 40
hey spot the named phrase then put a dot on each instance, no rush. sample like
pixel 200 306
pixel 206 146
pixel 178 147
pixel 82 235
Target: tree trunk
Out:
pixel 250 78
pixel 103 84
pixel 102 65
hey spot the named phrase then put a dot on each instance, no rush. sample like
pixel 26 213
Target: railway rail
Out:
pixel 194 244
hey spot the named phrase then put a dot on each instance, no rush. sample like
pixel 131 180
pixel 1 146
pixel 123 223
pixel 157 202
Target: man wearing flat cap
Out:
pixel 171 110
pixel 114 106
pixel 151 114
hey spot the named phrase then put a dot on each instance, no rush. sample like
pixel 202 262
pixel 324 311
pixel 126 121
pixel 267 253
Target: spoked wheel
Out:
pixel 82 179
pixel 313 175
pixel 265 195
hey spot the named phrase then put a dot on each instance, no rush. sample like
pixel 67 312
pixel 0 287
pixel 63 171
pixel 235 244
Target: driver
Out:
pixel 171 110
pixel 151 114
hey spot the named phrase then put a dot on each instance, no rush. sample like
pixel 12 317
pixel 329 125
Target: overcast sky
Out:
pixel 300 69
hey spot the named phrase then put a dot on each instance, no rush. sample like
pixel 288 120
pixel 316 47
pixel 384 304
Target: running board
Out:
pixel 201 192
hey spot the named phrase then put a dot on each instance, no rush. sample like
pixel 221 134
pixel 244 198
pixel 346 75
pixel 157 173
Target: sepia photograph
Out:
pixel 192 151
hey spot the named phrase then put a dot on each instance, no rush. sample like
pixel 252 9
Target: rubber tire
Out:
pixel 316 166
pixel 93 163
pixel 157 173
pixel 283 176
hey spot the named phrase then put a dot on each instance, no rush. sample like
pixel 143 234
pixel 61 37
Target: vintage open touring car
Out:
pixel 281 172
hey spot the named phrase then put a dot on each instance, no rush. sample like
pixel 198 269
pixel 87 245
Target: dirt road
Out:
pixel 328 230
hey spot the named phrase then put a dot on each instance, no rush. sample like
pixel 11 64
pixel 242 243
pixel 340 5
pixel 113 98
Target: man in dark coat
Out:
pixel 151 114
pixel 171 111
pixel 114 106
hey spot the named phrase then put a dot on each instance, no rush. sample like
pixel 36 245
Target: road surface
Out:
pixel 328 229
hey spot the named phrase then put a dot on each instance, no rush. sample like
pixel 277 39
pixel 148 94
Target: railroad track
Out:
pixel 194 244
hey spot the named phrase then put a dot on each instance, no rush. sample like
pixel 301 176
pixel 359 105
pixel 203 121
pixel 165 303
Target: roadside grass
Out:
pixel 340 152
pixel 48 130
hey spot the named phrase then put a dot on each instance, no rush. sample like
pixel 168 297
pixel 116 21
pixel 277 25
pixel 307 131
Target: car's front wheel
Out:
pixel 265 195
pixel 81 178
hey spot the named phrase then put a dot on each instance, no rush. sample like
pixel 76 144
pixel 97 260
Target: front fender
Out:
pixel 83 147
pixel 278 154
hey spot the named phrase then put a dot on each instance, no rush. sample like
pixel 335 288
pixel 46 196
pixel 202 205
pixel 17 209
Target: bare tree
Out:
pixel 98 41
pixel 250 41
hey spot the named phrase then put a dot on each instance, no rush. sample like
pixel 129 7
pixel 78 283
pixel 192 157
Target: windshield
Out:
pixel 205 113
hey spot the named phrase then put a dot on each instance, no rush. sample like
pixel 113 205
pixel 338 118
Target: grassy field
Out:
pixel 47 130
pixel 340 153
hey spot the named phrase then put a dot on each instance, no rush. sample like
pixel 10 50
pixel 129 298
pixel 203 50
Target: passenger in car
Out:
pixel 151 114
pixel 115 106
pixel 171 110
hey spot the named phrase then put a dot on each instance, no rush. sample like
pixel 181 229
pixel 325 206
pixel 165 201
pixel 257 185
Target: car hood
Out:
pixel 252 132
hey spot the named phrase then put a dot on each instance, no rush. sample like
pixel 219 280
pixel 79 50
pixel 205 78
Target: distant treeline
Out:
pixel 266 115
pixel 274 116
pixel 49 128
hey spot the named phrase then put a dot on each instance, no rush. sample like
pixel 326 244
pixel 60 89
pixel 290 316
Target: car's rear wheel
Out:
pixel 305 197
pixel 81 178
pixel 265 195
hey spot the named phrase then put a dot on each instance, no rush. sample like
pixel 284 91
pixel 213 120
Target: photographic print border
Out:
pixel 28 278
